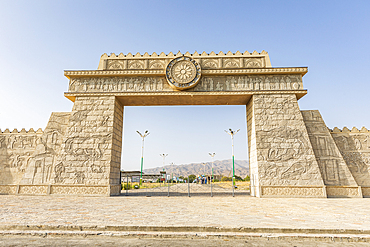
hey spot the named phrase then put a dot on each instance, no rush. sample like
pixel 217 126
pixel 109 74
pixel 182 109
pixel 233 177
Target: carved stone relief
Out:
pixel 355 150
pixel 207 83
pixel 206 63
pixel 282 148
pixel 332 166
pixel 85 157
pixel 28 158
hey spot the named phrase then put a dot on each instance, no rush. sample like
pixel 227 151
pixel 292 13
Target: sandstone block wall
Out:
pixel 78 153
pixel 282 161
pixel 354 146
pixel 334 170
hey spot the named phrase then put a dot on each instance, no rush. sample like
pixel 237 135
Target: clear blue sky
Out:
pixel 40 39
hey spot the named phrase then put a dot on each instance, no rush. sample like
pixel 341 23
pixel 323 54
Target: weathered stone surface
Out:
pixel 280 151
pixel 354 146
pixel 206 84
pixel 79 152
pixel 334 170
pixel 29 157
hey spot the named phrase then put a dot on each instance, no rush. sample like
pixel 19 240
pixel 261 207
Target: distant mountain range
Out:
pixel 220 167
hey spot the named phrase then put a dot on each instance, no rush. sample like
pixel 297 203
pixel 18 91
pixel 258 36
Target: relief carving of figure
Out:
pixel 159 84
pixel 141 88
pixel 219 86
pixel 294 172
pixel 131 85
pixel 256 84
pixel 210 84
pixel 240 83
pixel 367 140
pixel 282 84
pixel 15 160
pixel 267 84
pixel 59 170
pixel 124 85
pixel 136 85
pixel 288 83
pixel 276 80
pixel 79 177
pixel 147 85
pixel 357 143
pixel 233 83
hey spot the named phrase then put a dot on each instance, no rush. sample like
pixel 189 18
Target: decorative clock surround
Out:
pixel 183 73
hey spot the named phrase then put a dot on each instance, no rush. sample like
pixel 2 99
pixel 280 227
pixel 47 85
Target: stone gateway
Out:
pixel 292 153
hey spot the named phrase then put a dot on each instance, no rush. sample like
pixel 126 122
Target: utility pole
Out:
pixel 232 133
pixel 146 133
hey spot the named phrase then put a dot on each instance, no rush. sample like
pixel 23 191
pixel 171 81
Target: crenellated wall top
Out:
pixel 210 63
pixel 22 131
pixel 346 130
pixel 206 60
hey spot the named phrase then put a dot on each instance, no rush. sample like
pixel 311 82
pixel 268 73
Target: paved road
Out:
pixel 148 216
pixel 231 212
pixel 58 242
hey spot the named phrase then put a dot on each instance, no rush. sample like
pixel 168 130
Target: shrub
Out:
pixel 127 186
pixel 225 179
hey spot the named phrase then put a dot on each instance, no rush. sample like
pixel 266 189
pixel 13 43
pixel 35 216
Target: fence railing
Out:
pixel 185 188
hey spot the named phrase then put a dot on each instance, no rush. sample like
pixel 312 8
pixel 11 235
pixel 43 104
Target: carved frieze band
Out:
pixel 59 190
pixel 207 83
pixel 292 191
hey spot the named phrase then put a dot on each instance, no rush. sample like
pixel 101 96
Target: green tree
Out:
pixel 192 177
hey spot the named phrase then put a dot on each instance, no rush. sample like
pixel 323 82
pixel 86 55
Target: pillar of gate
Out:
pixel 90 157
pixel 282 161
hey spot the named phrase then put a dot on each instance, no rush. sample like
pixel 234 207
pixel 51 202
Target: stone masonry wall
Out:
pixel 16 150
pixel 87 157
pixel 281 154
pixel 336 175
pixel 354 146
pixel 29 158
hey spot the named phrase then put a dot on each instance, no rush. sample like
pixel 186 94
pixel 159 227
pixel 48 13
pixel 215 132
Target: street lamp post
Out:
pixel 172 164
pixel 204 169
pixel 212 155
pixel 164 157
pixel 146 133
pixel 232 133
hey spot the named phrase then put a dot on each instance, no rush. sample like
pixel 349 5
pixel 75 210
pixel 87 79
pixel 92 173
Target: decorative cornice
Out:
pixel 71 96
pixel 151 72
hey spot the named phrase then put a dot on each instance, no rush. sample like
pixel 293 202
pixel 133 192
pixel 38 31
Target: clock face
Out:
pixel 183 73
